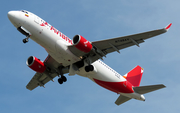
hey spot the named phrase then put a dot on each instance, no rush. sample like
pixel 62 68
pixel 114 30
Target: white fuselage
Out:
pixel 47 36
pixel 56 44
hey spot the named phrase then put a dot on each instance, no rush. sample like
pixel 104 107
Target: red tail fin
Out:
pixel 134 76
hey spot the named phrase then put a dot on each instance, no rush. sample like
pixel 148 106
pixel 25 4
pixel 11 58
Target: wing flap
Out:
pixel 121 99
pixel 122 46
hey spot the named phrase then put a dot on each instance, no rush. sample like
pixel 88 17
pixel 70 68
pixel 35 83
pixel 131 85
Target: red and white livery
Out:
pixel 80 56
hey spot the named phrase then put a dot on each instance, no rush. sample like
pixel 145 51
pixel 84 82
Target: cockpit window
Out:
pixel 24 11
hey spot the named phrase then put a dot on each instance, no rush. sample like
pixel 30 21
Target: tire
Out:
pixel 60 80
pixel 91 68
pixel 24 41
pixel 64 78
pixel 87 68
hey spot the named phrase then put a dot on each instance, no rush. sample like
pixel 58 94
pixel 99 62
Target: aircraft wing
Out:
pixel 104 47
pixel 40 79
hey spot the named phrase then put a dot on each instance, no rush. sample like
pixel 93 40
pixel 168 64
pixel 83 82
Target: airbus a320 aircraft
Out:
pixel 79 56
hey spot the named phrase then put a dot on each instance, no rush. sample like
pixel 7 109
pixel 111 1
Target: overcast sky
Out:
pixel 94 20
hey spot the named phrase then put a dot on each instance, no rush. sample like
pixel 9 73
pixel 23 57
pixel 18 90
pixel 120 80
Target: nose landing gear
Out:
pixel 24 32
pixel 26 39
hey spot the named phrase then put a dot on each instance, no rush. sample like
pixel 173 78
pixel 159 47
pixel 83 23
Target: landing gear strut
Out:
pixel 62 78
pixel 24 32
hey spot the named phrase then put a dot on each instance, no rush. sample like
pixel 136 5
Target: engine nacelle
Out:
pixel 36 64
pixel 82 44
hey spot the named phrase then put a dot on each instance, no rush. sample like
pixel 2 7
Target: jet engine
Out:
pixel 82 44
pixel 36 64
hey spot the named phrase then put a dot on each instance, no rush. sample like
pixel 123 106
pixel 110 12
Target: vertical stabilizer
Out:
pixel 134 76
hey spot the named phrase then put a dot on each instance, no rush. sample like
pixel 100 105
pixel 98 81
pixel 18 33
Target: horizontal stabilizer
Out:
pixel 121 99
pixel 147 89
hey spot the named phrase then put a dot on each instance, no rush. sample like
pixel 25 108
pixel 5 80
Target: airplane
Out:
pixel 82 57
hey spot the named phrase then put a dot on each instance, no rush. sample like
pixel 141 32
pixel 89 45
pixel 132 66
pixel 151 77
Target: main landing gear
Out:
pixel 89 68
pixel 62 79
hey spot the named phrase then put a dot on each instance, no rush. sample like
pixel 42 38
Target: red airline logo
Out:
pixel 57 32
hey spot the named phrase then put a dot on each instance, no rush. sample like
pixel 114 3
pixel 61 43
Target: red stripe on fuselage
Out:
pixel 117 87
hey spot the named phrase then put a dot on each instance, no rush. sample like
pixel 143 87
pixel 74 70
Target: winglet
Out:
pixel 167 27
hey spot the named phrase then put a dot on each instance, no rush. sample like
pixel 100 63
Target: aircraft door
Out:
pixel 37 19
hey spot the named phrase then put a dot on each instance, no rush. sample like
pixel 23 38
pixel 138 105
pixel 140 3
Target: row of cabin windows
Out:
pixel 108 67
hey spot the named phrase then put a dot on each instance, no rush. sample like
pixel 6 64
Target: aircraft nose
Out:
pixel 12 15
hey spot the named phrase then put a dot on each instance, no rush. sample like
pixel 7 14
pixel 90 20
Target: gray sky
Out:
pixel 94 20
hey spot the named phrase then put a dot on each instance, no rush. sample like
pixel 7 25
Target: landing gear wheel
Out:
pixel 25 40
pixel 64 78
pixel 60 80
pixel 89 68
